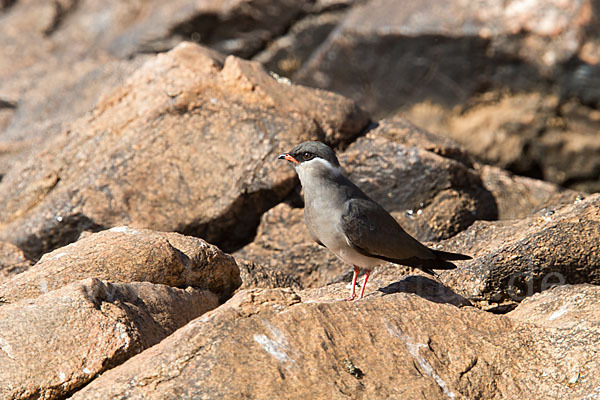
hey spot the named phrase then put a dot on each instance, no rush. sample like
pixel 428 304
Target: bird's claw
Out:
pixel 349 298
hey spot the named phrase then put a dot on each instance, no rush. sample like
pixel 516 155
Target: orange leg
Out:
pixel 364 285
pixel 353 291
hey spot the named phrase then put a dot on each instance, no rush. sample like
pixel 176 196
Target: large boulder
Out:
pixel 519 196
pixel 263 343
pixel 515 259
pixel 55 344
pixel 123 254
pixel 187 145
pixel 58 58
pixel 515 82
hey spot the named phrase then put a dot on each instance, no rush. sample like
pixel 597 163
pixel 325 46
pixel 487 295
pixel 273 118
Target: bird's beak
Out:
pixel 288 157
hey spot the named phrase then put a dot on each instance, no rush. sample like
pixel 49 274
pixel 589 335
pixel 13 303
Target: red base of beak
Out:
pixel 288 157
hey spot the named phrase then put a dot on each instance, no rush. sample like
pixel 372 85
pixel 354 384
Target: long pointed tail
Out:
pixel 445 255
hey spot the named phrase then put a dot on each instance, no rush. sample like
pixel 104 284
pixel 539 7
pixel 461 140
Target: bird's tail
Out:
pixel 445 255
pixel 443 261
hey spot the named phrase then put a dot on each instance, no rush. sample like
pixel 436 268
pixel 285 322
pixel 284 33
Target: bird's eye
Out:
pixel 308 156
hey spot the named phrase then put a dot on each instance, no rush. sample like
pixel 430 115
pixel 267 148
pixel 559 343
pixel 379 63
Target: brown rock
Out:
pixel 531 134
pixel 58 58
pixel 507 44
pixel 515 259
pixel 573 307
pixel 263 343
pixel 12 261
pixel 289 52
pixel 519 196
pixel 185 145
pixel 129 255
pixel 258 276
pixel 53 345
pixel 516 84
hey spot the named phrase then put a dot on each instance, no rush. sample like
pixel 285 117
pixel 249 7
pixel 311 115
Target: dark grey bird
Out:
pixel 354 227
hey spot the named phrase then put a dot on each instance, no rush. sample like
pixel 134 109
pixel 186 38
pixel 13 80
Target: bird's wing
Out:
pixel 371 230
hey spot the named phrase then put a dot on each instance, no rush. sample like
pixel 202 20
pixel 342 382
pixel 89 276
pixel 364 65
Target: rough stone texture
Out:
pixel 186 145
pixel 513 81
pixel 58 342
pixel 255 275
pixel 266 342
pixel 572 307
pixel 288 53
pixel 531 133
pixel 126 255
pixel 518 196
pixel 12 261
pixel 510 44
pixel 238 27
pixel 515 259
pixel 58 57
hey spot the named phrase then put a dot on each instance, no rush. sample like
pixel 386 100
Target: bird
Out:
pixel 359 231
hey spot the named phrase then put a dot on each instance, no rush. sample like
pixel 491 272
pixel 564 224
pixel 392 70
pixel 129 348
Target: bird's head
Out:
pixel 311 151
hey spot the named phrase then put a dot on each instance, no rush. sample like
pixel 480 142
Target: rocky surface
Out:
pixel 154 154
pixel 571 307
pixel 519 196
pixel 129 255
pixel 390 346
pixel 515 259
pixel 12 261
pixel 58 58
pixel 56 343
pixel 512 81
pixel 93 304
pixel 255 275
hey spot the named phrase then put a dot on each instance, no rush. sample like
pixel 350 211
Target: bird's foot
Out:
pixel 349 298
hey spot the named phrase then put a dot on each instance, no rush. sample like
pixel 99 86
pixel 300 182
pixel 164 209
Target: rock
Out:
pixel 445 35
pixel 266 342
pixel 186 145
pixel 288 53
pixel 129 255
pixel 532 134
pixel 515 259
pixel 519 196
pixel 54 67
pixel 572 307
pixel 239 28
pixel 513 82
pixel 258 276
pixel 12 261
pixel 55 344
pixel 58 58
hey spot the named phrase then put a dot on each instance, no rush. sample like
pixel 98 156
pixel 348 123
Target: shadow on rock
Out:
pixel 426 288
